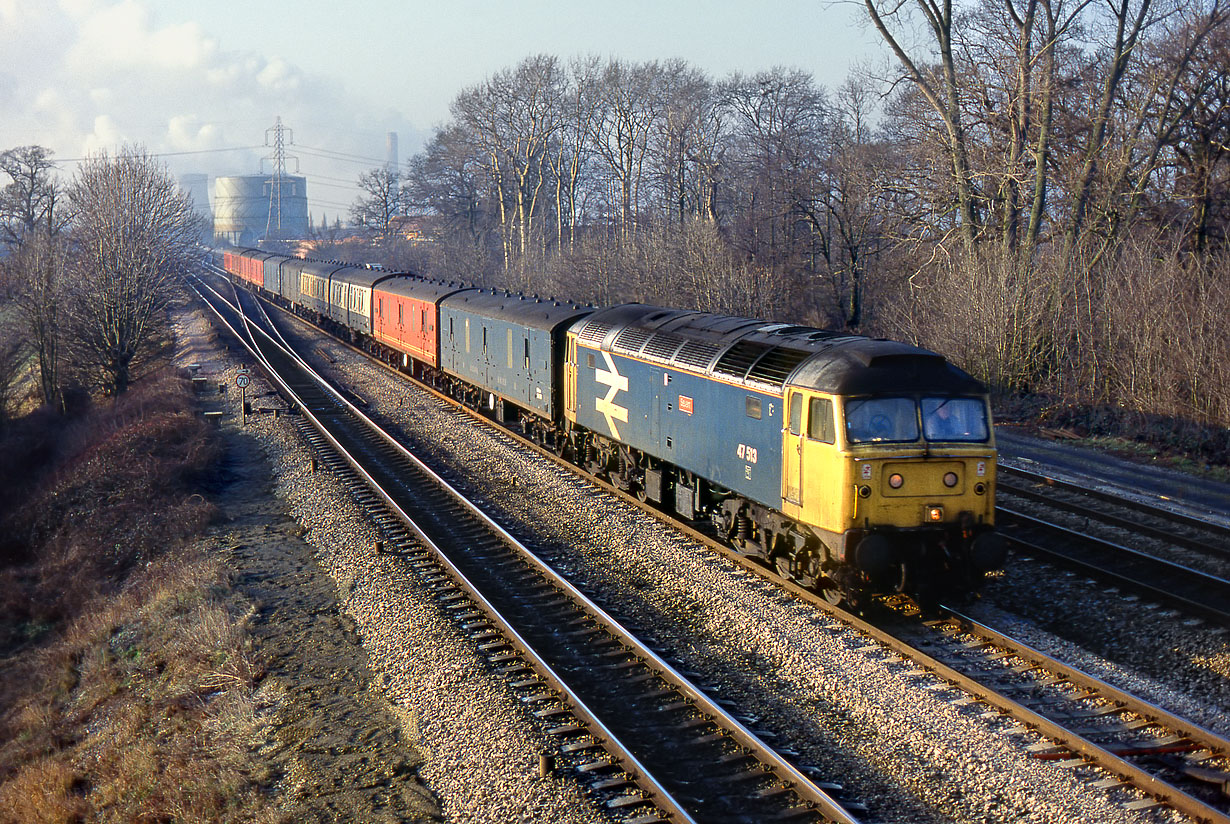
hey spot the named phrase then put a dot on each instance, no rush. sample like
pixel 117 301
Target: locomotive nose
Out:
pixel 989 551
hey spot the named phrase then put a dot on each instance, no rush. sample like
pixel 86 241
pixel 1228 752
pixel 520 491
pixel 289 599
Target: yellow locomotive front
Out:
pixel 898 488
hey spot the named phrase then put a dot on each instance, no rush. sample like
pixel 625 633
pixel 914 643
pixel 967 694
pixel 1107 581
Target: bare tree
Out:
pixel 937 83
pixel 134 232
pixel 514 116
pixel 12 358
pixel 29 202
pixel 570 149
pixel 381 203
pixel 40 267
pixel 628 102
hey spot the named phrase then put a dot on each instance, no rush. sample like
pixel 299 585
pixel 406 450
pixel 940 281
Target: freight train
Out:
pixel 852 465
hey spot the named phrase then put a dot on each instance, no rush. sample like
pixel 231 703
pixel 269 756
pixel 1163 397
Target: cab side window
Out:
pixel 796 413
pixel 820 421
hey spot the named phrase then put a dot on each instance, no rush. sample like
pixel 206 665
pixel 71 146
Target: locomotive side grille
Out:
pixel 594 331
pixel 662 346
pixel 777 365
pixel 696 354
pixel 631 340
pixel 739 358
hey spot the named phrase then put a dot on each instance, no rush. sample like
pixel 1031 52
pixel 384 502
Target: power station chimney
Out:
pixel 391 158
pixel 391 163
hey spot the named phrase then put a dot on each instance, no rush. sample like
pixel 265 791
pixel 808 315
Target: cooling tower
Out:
pixel 246 209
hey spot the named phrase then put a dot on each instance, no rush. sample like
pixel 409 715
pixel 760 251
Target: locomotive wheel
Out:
pixel 781 565
pixel 831 592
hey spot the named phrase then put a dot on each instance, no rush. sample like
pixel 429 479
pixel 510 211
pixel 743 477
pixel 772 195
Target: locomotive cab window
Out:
pixel 954 419
pixel 796 413
pixel 820 421
pixel 877 420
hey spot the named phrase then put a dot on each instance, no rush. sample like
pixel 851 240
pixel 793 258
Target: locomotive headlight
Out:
pixel 895 480
pixel 980 489
pixel 864 491
pixel 935 513
pixel 950 479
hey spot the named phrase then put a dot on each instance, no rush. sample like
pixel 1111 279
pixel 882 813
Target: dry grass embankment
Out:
pixel 128 677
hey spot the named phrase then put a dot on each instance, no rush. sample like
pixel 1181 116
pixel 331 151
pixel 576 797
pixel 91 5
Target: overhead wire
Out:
pixel 340 155
pixel 174 154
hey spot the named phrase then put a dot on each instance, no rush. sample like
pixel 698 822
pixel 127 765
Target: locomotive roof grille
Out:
pixel 594 331
pixel 738 359
pixel 777 364
pixel 663 345
pixel 697 354
pixel 631 340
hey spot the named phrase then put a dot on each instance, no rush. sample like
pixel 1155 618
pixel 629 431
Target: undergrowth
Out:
pixel 129 681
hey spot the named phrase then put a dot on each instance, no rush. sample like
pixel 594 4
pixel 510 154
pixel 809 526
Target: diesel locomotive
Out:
pixel 852 465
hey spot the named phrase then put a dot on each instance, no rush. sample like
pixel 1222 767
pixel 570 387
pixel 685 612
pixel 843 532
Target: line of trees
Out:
pixel 1019 187
pixel 88 265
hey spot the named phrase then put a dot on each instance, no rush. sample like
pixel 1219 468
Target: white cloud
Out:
pixel 81 76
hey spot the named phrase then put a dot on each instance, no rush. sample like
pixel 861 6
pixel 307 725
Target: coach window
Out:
pixel 796 413
pixel 820 421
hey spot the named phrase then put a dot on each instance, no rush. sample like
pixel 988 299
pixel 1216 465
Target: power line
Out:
pixel 174 154
pixel 333 153
pixel 316 182
pixel 334 158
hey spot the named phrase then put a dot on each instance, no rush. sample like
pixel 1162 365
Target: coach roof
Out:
pixel 534 312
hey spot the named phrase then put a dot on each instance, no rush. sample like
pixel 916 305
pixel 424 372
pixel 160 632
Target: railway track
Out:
pixel 1085 719
pixel 1167 572
pixel 1138 517
pixel 649 741
pixel 1171 760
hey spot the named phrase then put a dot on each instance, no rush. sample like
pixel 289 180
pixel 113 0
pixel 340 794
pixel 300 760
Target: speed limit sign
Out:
pixel 242 380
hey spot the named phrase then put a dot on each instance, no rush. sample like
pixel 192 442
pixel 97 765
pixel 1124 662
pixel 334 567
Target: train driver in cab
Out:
pixel 954 419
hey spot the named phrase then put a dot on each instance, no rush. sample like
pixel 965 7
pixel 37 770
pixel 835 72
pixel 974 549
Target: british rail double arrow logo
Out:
pixel 617 383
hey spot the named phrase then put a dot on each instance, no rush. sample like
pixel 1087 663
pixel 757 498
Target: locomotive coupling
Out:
pixel 989 551
pixel 875 555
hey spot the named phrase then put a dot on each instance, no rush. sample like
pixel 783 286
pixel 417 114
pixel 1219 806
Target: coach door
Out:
pixel 792 451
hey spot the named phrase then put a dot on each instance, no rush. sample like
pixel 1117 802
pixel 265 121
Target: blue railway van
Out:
pixel 272 273
pixel 509 346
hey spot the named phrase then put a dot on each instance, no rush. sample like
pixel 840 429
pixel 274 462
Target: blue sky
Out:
pixel 206 79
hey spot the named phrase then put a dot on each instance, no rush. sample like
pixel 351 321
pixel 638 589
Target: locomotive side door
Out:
pixel 570 378
pixel 792 450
